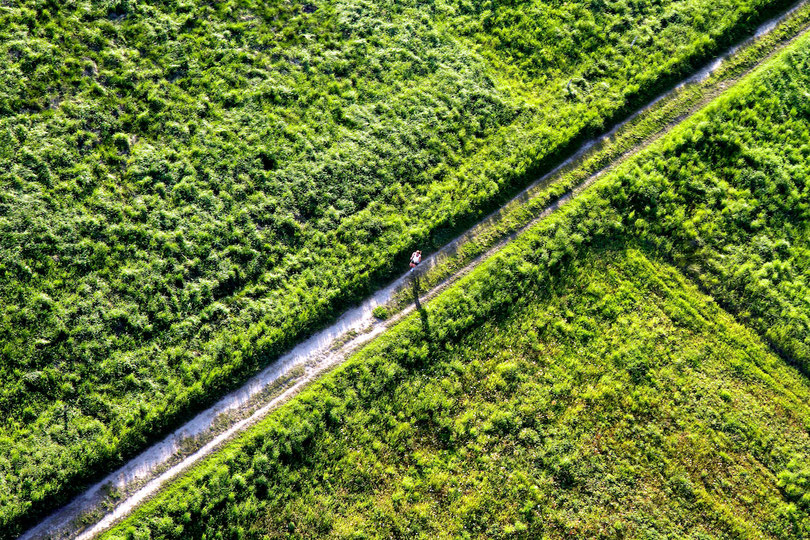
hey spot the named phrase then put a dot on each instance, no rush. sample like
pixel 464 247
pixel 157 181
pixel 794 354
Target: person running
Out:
pixel 416 258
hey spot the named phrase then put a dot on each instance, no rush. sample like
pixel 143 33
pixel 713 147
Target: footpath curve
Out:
pixel 118 494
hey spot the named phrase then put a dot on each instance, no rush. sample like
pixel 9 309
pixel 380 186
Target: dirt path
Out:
pixel 95 510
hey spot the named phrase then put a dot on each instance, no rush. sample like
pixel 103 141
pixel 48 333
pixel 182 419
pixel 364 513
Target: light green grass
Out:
pixel 620 402
pixel 188 188
pixel 581 382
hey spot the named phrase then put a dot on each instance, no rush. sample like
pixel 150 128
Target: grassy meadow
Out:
pixel 617 402
pixel 188 188
pixel 634 366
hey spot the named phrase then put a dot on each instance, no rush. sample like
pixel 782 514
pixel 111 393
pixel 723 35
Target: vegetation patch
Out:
pixel 188 188
pixel 618 401
pixel 580 382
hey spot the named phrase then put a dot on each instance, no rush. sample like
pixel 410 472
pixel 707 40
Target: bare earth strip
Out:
pixel 113 498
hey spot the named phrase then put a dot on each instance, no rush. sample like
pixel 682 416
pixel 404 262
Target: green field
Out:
pixel 634 366
pixel 186 189
pixel 617 402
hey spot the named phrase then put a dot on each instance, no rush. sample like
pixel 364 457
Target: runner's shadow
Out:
pixel 423 314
